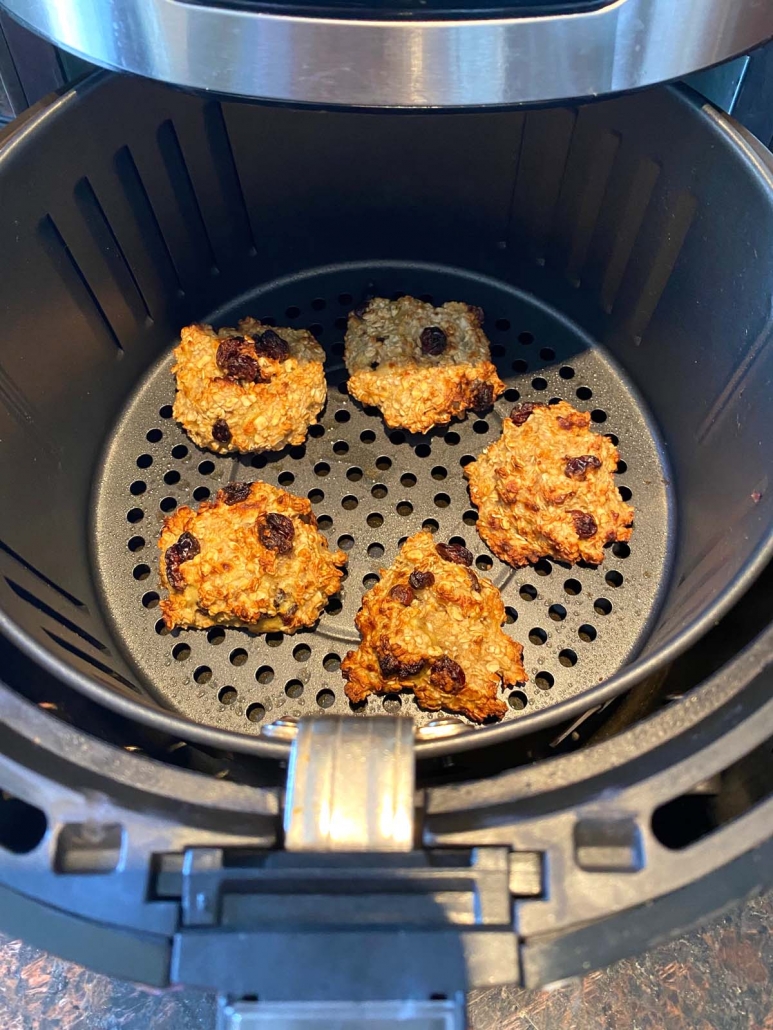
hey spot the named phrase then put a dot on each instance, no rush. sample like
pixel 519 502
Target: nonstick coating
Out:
pixel 371 488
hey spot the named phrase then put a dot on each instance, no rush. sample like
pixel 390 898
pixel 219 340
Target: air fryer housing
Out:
pixel 150 847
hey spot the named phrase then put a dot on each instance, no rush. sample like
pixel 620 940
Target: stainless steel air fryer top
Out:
pixel 382 53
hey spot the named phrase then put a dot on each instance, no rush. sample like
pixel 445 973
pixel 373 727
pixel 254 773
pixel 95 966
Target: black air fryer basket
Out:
pixel 620 251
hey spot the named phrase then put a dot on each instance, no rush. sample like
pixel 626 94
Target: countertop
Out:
pixel 717 978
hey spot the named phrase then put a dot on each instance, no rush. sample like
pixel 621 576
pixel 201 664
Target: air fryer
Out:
pixel 149 828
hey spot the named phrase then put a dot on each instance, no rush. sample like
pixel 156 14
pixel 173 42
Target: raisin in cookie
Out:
pixel 419 364
pixel 252 557
pixel 432 625
pixel 248 389
pixel 546 488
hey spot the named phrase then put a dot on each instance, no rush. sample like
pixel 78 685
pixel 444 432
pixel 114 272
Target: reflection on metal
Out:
pixel 445 726
pixel 285 728
pixel 350 785
pixel 403 63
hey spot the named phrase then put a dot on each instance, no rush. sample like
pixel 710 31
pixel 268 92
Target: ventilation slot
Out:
pixel 717 802
pixel 185 194
pixel 105 669
pixel 137 196
pixel 102 232
pixel 43 578
pixel 225 161
pixel 73 274
pixel 52 613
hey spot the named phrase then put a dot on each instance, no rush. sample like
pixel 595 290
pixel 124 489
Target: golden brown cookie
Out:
pixel 432 625
pixel 248 389
pixel 252 557
pixel 546 488
pixel 419 364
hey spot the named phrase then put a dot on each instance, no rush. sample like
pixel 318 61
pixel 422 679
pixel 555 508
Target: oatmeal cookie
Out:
pixel 432 625
pixel 252 557
pixel 248 389
pixel 419 364
pixel 546 488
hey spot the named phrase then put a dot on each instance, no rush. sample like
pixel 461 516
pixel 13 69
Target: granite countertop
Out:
pixel 717 978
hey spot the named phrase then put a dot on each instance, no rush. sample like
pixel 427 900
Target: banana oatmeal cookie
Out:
pixel 546 488
pixel 432 625
pixel 419 364
pixel 252 557
pixel 248 389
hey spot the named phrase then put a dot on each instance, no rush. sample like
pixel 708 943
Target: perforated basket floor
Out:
pixel 370 488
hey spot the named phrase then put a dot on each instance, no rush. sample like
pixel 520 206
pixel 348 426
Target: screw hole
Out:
pixel 321 469
pixel 350 502
pixel 526 338
pixel 584 393
pixel 539 383
pixel 484 562
pixel 136 543
pixel 557 612
pixel 375 519
pixel 180 451
pixel 573 587
pixel 625 493
pixel 378 491
pixel 202 675
pixel 238 657
pixel 407 479
pixel 316 496
pixel 511 616
pixel 422 450
pixel 153 435
pixel 334 606
pixel 331 662
pixel 165 411
pixel 286 479
pixel 544 680
pixel 135 515
pixel 150 600
pixel 567 657
pixel 346 542
pixel 537 636
pixel 168 504
pixel 614 578
pixel 430 525
pixel 442 500
pixel 141 572
pixel 227 695
pixel 566 372
pixel 528 592
pixel 137 488
pixel 144 461
pixel 404 508
pixel 520 366
pixel 265 674
pixel 367 436
pixel 354 474
pixel 602 606
pixel 621 550
pixel 302 653
pixel 326 698
pixel 216 635
pixel 587 633
pixel 181 652
pixel 376 551
pixel 598 415
pixel 543 567
pixel 293 688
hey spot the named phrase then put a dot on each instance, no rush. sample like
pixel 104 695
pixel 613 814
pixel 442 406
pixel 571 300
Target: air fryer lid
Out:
pixel 589 237
pixel 400 53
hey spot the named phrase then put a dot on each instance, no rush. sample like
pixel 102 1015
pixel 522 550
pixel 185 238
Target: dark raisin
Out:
pixel 402 593
pixel 474 581
pixel 577 420
pixel 271 345
pixel 455 553
pixel 421 580
pixel 584 524
pixel 235 360
pixel 276 532
pixel 482 395
pixel 447 675
pixel 522 412
pixel 576 468
pixel 478 314
pixel 374 365
pixel 392 666
pixel 221 432
pixel 235 492
pixel 287 615
pixel 187 547
pixel 433 340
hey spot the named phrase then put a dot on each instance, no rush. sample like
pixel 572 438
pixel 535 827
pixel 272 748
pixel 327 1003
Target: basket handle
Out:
pixel 350 785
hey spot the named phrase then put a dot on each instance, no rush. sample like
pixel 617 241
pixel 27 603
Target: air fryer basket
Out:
pixel 619 250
